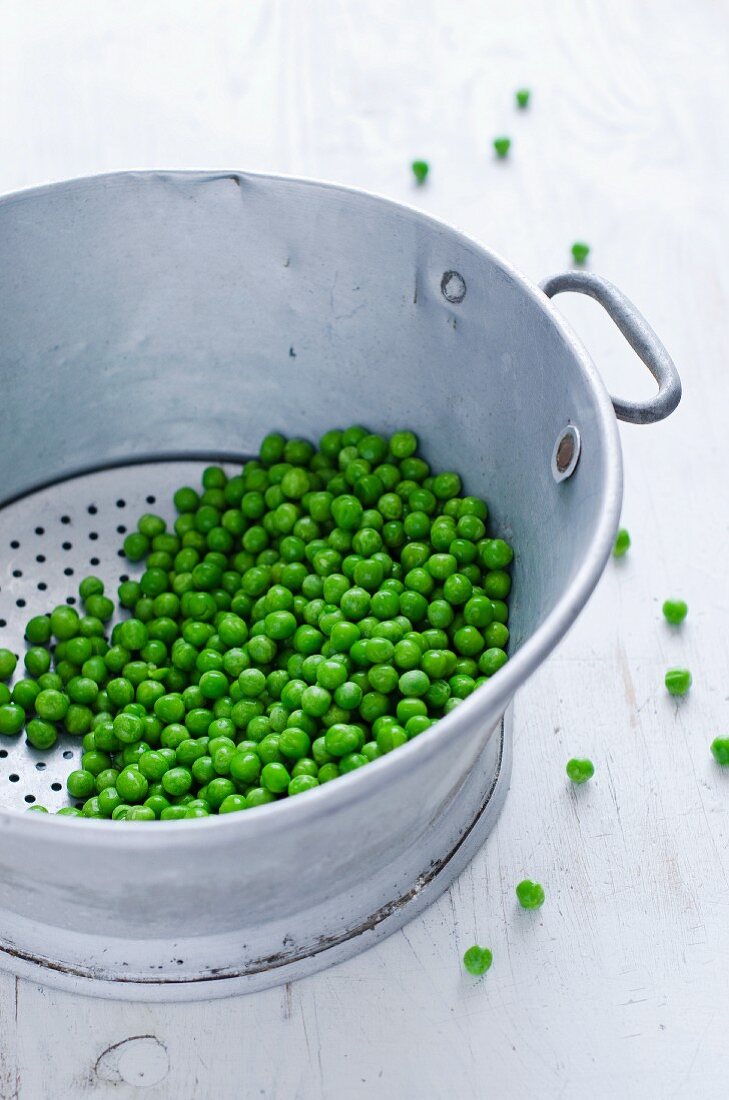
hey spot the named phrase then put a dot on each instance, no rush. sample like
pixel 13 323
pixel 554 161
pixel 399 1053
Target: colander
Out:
pixel 154 321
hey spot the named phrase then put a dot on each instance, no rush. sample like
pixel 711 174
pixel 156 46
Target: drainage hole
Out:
pixel 40 531
pixel 151 500
pixel 67 755
pixel 3 623
pixel 92 509
pixel 13 778
pixel 3 753
pixel 40 557
pixel 123 577
pixel 17 572
pixel 56 787
pixel 29 798
pixel 121 504
pixel 93 535
pixel 41 586
pixel 67 545
pixel 65 519
pixel 71 600
pixel 41 766
pixel 121 529
pixel 19 603
pixel 15 545
pixel 93 561
pixel 68 571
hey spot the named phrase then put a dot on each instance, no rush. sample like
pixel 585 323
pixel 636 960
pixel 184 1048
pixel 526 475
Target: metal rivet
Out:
pixel 566 453
pixel 453 287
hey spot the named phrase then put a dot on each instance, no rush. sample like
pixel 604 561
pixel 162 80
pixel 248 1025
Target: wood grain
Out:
pixel 619 985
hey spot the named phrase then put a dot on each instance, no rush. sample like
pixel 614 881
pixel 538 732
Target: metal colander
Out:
pixel 153 321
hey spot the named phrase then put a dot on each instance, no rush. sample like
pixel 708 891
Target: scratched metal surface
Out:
pixel 618 986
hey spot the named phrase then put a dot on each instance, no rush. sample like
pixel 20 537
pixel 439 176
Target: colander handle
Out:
pixel 639 335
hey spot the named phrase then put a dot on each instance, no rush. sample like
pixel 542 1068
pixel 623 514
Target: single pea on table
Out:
pixel 622 543
pixel 420 169
pixel 580 252
pixel 675 611
pixel 530 895
pixel 678 681
pixel 580 771
pixel 477 960
pixel 720 750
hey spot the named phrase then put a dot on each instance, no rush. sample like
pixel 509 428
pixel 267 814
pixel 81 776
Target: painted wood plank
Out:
pixel 618 985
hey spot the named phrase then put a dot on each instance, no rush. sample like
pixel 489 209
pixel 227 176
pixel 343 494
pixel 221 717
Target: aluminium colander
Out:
pixel 151 322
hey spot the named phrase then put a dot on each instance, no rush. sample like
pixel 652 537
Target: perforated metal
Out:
pixel 49 541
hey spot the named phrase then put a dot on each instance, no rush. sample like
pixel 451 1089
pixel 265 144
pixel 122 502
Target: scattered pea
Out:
pixel 502 146
pixel 580 252
pixel 420 169
pixel 675 611
pixel 678 681
pixel 622 543
pixel 720 750
pixel 477 960
pixel 579 771
pixel 530 894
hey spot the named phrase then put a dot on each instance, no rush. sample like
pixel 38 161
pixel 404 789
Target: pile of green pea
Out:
pixel 303 618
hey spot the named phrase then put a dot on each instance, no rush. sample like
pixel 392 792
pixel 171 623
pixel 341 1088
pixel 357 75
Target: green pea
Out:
pixel 218 790
pixel 720 750
pixel 294 743
pixel 51 705
pixel 38 630
pixel 121 691
pixel 477 960
pixel 341 739
pixel 579 771
pixel 622 543
pixel 491 660
pixel 37 660
pixel 678 681
pixel 78 719
pixel 81 689
pixel 81 784
pixel 108 799
pixel 8 661
pixel 530 894
pixel 675 611
pixel 390 737
pixel 132 785
pixel 414 683
pixel 100 607
pixel 258 796
pixel 12 718
pixel 24 693
pixel 41 734
pixel 580 252
pixel 132 634
pixel 139 813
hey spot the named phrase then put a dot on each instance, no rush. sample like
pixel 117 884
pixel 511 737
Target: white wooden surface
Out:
pixel 619 985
